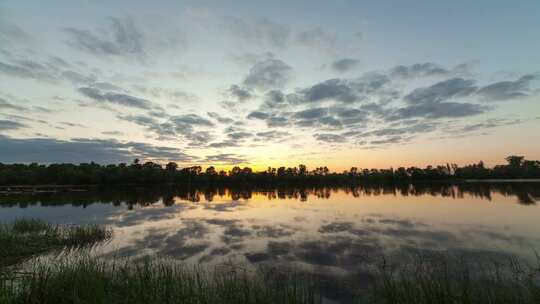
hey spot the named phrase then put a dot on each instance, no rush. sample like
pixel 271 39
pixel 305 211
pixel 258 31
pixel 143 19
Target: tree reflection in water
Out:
pixel 525 193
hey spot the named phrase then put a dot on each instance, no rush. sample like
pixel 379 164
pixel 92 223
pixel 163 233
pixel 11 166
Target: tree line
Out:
pixel 151 173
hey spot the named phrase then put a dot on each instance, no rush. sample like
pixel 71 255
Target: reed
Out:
pixel 25 238
pixel 86 279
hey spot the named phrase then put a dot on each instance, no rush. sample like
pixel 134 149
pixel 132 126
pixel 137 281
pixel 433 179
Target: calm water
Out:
pixel 326 230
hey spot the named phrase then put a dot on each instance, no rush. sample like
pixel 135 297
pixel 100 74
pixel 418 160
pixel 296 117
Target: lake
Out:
pixel 326 231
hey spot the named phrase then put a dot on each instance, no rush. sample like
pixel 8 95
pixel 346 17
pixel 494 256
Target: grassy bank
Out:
pixel 25 238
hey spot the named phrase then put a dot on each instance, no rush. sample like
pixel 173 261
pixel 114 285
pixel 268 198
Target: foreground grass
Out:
pixel 446 279
pixel 25 238
pixel 93 280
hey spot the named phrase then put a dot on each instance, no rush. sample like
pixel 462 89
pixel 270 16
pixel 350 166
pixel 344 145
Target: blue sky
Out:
pixel 340 83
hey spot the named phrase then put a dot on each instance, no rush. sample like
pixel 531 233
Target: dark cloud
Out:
pixel 191 120
pixel 258 31
pixel 165 93
pixel 345 64
pixel 334 89
pixel 268 74
pixel 240 93
pixel 412 129
pixel 77 78
pixel 27 70
pixel 180 125
pixel 121 37
pixel 487 124
pixel 115 98
pixel 224 144
pixel 507 90
pixel 219 118
pixel 390 140
pixel 225 158
pixel 311 113
pixel 258 115
pixel 78 150
pixel 274 98
pixel 239 135
pixel 441 91
pixel 4 104
pixel 419 70
pixel 271 135
pixel 7 125
pixel 114 133
pixel 330 138
pixel 438 110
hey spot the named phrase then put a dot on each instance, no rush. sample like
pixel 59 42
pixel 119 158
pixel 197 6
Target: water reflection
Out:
pixel 327 231
pixel 524 193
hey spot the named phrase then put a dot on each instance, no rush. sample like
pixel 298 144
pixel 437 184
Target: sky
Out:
pixel 252 83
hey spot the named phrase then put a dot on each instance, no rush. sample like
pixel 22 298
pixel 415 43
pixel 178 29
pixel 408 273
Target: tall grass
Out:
pixel 93 280
pixel 447 279
pixel 25 238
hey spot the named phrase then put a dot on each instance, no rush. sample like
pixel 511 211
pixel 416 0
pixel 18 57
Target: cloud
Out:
pixel 191 120
pixel 251 58
pixel 486 124
pixel 330 138
pixel 225 159
pixel 421 70
pixel 240 93
pixel 239 135
pixel 507 90
pixel 376 99
pixel 6 105
pixel 390 140
pixel 224 144
pixel 121 37
pixel 114 133
pixel 115 98
pixel 8 125
pixel 258 31
pixel 268 74
pixel 27 70
pixel 219 118
pixel 422 127
pixel 11 33
pixel 271 135
pixel 274 98
pixel 187 125
pixel 345 65
pixel 438 110
pixel 78 150
pixel 258 115
pixel 334 89
pixel 170 94
pixel 441 91
pixel 316 38
pixel 311 113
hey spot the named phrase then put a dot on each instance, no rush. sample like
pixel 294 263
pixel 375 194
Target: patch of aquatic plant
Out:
pixel 86 279
pixel 24 238
pixel 443 278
